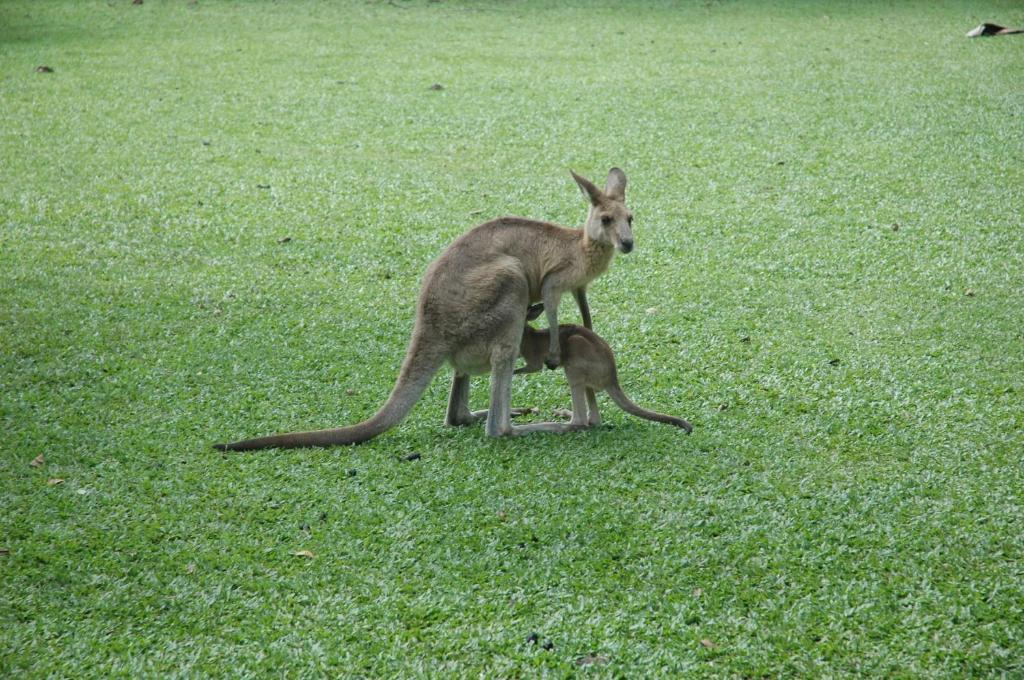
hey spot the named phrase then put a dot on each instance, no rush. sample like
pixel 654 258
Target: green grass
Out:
pixel 850 502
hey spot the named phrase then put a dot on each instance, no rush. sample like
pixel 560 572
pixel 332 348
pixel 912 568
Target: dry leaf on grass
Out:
pixel 304 553
pixel 54 482
pixel 592 660
pixel 708 644
pixel 988 29
pixel 38 461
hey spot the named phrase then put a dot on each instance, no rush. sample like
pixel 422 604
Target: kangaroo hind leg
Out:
pixel 579 416
pixel 594 412
pixel 499 413
pixel 580 401
pixel 458 413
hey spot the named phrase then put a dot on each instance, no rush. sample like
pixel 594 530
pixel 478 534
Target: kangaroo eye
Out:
pixel 606 220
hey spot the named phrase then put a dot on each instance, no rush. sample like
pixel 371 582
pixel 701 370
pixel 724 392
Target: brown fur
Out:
pixel 472 310
pixel 589 365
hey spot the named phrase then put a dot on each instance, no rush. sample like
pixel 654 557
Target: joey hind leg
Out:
pixel 578 415
pixel 574 425
pixel 588 323
pixel 579 404
pixel 584 408
pixel 578 422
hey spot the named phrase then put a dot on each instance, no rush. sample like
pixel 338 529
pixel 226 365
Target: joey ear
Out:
pixel 588 188
pixel 615 187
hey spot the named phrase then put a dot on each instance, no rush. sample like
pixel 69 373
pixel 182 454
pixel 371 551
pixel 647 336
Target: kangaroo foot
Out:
pixel 477 416
pixel 466 419
pixel 546 427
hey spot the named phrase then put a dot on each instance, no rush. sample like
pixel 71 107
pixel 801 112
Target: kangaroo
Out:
pixel 589 365
pixel 472 310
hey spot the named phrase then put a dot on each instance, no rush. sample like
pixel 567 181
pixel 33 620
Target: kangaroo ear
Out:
pixel 592 193
pixel 615 187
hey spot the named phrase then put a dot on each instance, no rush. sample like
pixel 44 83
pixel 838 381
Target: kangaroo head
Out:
pixel 609 220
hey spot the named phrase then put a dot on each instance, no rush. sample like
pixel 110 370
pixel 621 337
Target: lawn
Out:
pixel 214 218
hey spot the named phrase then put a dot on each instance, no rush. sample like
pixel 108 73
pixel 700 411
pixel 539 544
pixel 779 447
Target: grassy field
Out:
pixel 214 218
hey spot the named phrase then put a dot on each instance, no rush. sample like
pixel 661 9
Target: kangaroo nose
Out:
pixel 626 246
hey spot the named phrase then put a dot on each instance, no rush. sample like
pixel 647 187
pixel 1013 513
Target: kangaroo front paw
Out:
pixel 553 361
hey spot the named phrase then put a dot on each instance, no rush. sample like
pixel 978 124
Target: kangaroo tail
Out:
pixel 626 404
pixel 418 368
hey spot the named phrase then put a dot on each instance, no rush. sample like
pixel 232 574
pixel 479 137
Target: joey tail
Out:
pixel 626 404
pixel 420 364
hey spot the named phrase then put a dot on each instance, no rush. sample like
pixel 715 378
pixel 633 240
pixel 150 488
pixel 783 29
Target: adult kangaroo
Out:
pixel 472 310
